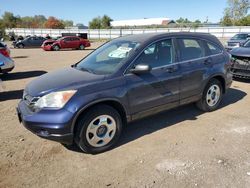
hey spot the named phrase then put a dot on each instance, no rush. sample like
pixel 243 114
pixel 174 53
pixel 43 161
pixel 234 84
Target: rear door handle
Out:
pixel 208 61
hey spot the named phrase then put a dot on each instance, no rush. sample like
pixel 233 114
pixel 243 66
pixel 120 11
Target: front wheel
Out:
pixel 212 96
pixel 56 48
pixel 98 130
pixel 20 45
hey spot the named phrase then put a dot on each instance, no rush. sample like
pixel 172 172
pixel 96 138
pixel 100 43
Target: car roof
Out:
pixel 147 37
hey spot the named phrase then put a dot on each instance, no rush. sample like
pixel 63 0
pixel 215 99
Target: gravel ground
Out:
pixel 179 148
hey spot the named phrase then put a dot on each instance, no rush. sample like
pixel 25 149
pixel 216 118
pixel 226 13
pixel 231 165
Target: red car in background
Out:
pixel 72 42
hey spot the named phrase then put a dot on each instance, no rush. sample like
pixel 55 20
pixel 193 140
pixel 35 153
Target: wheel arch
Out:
pixel 110 102
pixel 219 78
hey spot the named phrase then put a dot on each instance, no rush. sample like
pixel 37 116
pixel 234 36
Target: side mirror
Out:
pixel 140 69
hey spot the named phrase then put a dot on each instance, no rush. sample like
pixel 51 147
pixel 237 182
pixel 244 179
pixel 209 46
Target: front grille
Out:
pixel 240 63
pixel 232 44
pixel 29 100
pixel 240 67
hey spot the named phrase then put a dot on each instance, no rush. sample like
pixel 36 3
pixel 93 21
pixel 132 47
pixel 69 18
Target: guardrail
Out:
pixel 220 32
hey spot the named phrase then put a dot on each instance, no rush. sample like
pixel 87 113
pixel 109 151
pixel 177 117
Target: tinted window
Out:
pixel 157 54
pixel 190 49
pixel 213 49
pixel 67 39
pixel 74 39
pixel 247 44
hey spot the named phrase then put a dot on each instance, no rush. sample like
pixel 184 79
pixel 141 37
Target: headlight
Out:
pixel 237 45
pixel 55 99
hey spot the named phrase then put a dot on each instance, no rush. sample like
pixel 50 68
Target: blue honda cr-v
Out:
pixel 125 79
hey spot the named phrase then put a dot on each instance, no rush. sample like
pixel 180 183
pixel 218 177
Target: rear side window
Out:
pixel 67 39
pixel 190 49
pixel 213 49
pixel 74 39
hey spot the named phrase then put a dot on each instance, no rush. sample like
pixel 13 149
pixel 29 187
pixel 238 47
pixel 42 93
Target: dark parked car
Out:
pixel 29 42
pixel 66 42
pixel 237 40
pixel 241 61
pixel 125 79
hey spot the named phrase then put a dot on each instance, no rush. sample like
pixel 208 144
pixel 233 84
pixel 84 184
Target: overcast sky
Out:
pixel 81 11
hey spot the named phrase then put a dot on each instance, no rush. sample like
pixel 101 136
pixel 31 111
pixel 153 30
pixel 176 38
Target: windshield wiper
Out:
pixel 87 70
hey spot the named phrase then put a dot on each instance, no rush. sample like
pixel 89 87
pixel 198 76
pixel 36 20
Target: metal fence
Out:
pixel 220 32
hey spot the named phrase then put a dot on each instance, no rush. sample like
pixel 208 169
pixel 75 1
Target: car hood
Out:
pixel 67 78
pixel 241 51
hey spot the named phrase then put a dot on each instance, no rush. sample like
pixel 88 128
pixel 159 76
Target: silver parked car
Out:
pixel 6 63
pixel 237 40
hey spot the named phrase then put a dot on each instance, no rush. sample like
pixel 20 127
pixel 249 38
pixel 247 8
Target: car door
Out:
pixel 66 42
pixel 29 42
pixel 193 64
pixel 36 42
pixel 75 42
pixel 40 41
pixel 149 92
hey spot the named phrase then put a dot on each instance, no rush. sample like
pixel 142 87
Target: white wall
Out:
pixel 220 32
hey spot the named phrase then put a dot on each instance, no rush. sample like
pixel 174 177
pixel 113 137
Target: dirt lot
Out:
pixel 179 148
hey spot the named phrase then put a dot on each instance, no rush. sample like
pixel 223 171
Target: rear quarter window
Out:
pixel 213 49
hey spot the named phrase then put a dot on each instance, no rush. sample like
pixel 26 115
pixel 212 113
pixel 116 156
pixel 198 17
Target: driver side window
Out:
pixel 158 54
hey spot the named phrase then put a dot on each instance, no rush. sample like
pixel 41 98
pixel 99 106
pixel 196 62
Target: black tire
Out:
pixel 20 45
pixel 56 48
pixel 84 122
pixel 81 47
pixel 202 104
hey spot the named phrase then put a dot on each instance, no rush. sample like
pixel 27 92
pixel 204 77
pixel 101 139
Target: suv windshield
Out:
pixel 247 44
pixel 108 58
pixel 240 37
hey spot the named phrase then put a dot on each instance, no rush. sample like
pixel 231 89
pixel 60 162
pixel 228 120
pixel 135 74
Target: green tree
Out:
pixel 67 23
pixel 100 22
pixel 236 10
pixel 243 21
pixel 95 23
pixel 105 22
pixel 226 20
pixel 9 20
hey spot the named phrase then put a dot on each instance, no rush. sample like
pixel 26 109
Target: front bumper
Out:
pixel 241 70
pixel 5 70
pixel 47 47
pixel 49 124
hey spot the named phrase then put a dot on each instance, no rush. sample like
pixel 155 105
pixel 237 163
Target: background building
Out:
pixel 142 22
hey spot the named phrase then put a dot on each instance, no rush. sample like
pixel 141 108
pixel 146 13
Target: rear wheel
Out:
pixel 56 48
pixel 212 96
pixel 99 129
pixel 81 47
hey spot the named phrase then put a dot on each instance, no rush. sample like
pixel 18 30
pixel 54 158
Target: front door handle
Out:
pixel 171 69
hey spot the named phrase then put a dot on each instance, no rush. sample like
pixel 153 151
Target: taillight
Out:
pixel 4 52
